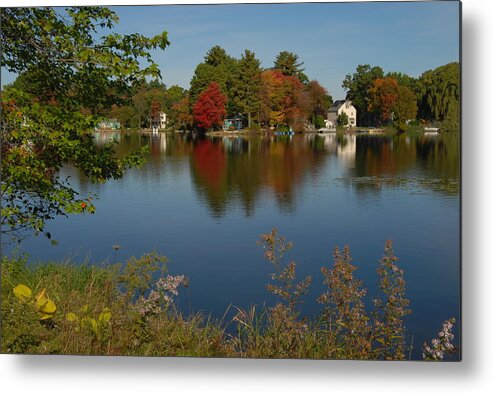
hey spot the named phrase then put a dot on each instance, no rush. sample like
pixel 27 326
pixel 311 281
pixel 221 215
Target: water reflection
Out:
pixel 103 137
pixel 228 172
pixel 383 155
pixel 231 171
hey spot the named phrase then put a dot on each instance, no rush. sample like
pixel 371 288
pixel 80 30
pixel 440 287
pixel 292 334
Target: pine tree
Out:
pixel 288 63
pixel 246 86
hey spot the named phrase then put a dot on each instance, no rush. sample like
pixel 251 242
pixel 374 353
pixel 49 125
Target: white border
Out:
pixel 94 374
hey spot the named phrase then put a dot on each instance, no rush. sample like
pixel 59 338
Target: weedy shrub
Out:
pixel 392 307
pixel 344 316
pixel 287 289
pixel 344 329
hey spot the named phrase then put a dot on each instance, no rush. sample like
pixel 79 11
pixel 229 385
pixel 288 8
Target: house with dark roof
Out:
pixel 339 107
pixel 235 123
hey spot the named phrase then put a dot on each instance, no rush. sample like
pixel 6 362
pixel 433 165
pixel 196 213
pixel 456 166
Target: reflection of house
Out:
pixel 233 144
pixel 108 125
pixel 234 123
pixel 157 144
pixel 330 143
pixel 102 138
pixel 339 107
pixel 346 149
pixel 159 121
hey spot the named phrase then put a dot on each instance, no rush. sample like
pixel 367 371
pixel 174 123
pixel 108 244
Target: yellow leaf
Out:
pixel 23 293
pixel 44 306
pixel 41 299
pixel 84 309
pixel 105 315
pixel 47 310
pixel 90 323
pixel 71 317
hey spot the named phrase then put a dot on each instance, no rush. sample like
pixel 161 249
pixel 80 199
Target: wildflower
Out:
pixel 162 296
pixel 442 345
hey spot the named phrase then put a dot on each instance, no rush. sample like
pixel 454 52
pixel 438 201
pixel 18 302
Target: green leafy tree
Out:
pixel 289 64
pixel 439 95
pixel 203 76
pixel 126 115
pixel 74 68
pixel 357 86
pixel 342 119
pixel 144 99
pixel 404 80
pixel 217 56
pixel 247 84
pixel 174 94
pixel 405 108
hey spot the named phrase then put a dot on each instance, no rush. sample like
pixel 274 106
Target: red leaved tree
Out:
pixel 210 108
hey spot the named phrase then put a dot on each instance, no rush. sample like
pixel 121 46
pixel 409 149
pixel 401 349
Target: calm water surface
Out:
pixel 204 202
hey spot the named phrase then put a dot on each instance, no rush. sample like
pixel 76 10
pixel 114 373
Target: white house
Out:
pixel 163 120
pixel 159 121
pixel 339 107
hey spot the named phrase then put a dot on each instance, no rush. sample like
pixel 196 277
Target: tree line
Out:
pixel 396 98
pixel 281 96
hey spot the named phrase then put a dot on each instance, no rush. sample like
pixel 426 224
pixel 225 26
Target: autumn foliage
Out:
pixel 391 101
pixel 383 96
pixel 210 108
pixel 283 100
pixel 181 113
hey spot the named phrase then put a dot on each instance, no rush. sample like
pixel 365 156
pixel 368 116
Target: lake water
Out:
pixel 204 202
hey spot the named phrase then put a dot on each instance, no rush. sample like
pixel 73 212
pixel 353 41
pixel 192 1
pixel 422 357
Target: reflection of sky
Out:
pixel 331 39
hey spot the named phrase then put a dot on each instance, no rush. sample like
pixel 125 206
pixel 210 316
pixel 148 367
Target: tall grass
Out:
pixel 128 309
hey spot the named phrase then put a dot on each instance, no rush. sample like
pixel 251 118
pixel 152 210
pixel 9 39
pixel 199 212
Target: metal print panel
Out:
pixel 236 180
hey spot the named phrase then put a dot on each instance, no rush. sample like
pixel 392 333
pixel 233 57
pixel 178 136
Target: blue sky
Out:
pixel 331 39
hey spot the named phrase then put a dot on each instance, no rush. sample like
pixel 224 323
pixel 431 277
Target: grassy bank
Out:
pixel 128 309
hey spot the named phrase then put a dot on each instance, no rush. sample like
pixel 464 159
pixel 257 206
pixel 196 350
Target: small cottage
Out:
pixel 234 123
pixel 339 107
pixel 108 125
